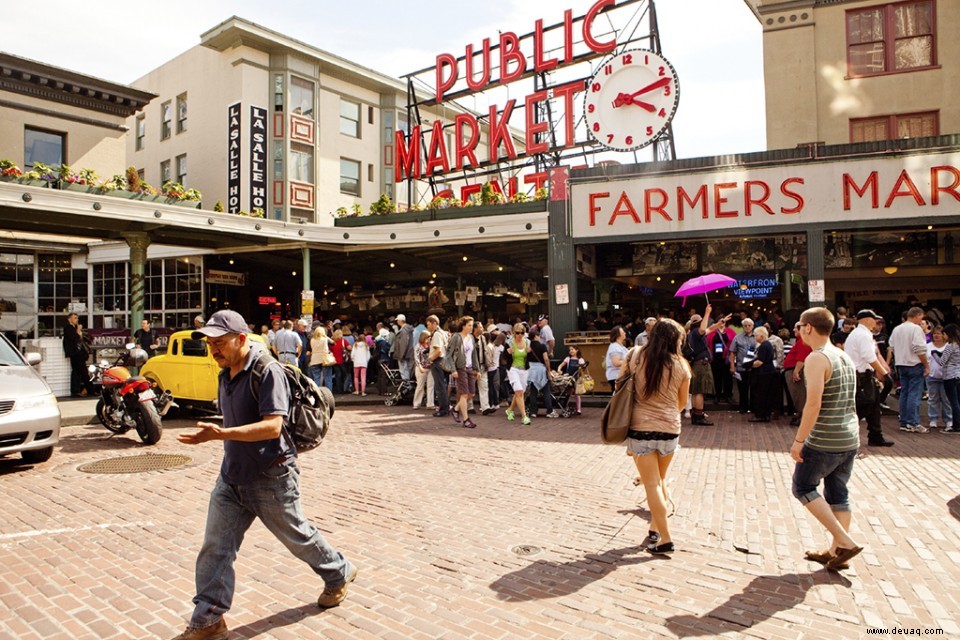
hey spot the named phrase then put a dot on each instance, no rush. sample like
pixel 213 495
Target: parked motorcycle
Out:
pixel 128 401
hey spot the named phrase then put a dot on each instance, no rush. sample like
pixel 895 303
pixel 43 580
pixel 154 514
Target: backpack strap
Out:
pixel 257 369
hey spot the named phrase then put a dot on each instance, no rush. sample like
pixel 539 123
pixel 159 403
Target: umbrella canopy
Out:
pixel 703 284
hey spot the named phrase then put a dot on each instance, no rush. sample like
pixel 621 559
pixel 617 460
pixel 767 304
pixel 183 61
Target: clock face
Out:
pixel 631 99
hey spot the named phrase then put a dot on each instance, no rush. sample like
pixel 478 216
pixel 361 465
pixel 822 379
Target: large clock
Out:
pixel 631 99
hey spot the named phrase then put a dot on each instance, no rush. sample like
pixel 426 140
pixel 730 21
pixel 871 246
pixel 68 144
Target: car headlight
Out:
pixel 37 402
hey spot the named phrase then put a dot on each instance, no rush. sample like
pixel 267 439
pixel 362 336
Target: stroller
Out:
pixel 561 388
pixel 398 390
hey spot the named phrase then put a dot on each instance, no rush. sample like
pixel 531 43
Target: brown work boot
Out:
pixel 216 631
pixel 333 596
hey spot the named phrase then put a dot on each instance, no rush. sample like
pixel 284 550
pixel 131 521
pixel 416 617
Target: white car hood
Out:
pixel 21 381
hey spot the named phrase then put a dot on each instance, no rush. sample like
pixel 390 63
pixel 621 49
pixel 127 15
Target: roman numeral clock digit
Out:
pixel 631 99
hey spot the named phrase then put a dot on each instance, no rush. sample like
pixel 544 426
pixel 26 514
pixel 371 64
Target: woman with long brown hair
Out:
pixel 662 379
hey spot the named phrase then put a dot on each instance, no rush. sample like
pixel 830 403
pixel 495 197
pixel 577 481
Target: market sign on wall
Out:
pixel 741 198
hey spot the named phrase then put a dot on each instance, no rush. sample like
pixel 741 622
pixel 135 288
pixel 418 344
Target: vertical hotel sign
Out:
pixel 233 158
pixel 258 158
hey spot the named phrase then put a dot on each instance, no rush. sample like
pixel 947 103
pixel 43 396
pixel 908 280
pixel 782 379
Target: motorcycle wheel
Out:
pixel 148 423
pixel 107 420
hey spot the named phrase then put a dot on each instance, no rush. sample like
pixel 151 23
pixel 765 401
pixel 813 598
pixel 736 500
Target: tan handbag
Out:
pixel 584 383
pixel 615 420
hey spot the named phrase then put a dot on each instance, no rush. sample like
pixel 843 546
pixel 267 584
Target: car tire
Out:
pixel 36 456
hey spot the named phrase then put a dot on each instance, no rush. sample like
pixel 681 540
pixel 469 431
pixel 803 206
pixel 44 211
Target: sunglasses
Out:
pixel 519 333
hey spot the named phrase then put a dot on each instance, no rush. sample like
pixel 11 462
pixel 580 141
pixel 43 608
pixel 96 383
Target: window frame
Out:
pixel 181 176
pixel 181 121
pixel 297 151
pixel 299 84
pixel 893 120
pixel 63 145
pixel 356 122
pixel 140 133
pixel 359 179
pixel 166 120
pixel 890 38
pixel 166 166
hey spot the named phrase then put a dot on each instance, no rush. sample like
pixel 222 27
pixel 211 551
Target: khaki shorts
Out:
pixel 466 382
pixel 702 381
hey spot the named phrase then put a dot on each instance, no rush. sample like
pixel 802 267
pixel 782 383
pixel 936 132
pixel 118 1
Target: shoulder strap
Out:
pixel 257 369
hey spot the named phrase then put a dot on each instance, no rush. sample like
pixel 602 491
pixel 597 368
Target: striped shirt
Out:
pixel 837 429
pixel 950 361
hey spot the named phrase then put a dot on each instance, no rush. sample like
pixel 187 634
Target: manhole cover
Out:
pixel 136 464
pixel 525 550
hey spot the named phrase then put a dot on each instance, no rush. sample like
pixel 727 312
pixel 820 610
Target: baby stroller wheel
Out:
pixel 390 402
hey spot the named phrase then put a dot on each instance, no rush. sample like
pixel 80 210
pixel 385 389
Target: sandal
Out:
pixel 823 557
pixel 843 557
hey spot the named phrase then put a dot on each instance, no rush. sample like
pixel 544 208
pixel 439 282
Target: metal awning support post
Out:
pixel 138 243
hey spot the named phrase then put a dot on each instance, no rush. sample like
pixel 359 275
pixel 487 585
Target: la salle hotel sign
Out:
pixel 894 189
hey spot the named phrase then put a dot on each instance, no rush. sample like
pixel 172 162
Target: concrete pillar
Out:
pixel 561 260
pixel 138 243
pixel 306 269
pixel 815 262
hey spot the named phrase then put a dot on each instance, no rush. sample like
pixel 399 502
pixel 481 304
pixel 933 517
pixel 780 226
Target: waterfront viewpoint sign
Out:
pixel 877 188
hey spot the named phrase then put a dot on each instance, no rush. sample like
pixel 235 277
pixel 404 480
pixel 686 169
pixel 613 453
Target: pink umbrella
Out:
pixel 703 284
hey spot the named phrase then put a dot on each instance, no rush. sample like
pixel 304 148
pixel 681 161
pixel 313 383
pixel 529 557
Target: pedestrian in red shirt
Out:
pixel 793 374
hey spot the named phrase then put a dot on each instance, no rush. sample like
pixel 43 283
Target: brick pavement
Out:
pixel 430 512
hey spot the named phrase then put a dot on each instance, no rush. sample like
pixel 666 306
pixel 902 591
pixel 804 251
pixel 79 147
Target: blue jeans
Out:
pixel 275 499
pixel 951 389
pixel 938 404
pixel 834 469
pixel 406 369
pixel 911 393
pixel 322 375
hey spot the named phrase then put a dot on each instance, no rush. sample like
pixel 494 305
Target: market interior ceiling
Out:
pixel 370 269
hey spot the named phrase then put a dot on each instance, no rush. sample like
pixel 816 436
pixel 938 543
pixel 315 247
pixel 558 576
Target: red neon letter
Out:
pixel 719 200
pixel 593 43
pixel 539 179
pixel 444 84
pixel 534 127
pixel 437 155
pixel 568 36
pixel 701 197
pixel 567 92
pixel 649 207
pixel 594 208
pixel 539 64
pixel 624 208
pixel 408 157
pixel 935 184
pixel 500 132
pixel 465 148
pixel 792 194
pixel 904 181
pixel 476 85
pixel 469 190
pixel 761 201
pixel 871 182
pixel 510 50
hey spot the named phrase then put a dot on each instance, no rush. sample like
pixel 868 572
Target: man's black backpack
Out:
pixel 311 407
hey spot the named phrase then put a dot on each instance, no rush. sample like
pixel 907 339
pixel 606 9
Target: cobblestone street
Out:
pixel 498 532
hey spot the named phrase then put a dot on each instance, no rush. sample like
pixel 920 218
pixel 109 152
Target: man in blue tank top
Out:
pixel 828 438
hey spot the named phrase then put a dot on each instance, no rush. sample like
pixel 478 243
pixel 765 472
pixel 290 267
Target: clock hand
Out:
pixel 662 82
pixel 643 105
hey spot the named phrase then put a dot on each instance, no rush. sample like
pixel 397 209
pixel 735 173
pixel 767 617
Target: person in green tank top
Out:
pixel 518 349
pixel 828 438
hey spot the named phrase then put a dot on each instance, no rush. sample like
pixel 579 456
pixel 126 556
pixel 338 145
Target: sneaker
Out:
pixel 906 427
pixel 686 413
pixel 916 428
pixel 526 420
pixel 553 414
pixel 333 596
pixel 488 411
pixel 510 415
pixel 440 414
pixel 951 430
pixel 216 631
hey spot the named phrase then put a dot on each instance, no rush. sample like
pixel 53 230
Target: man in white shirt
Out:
pixel 546 333
pixel 909 347
pixel 645 334
pixel 871 369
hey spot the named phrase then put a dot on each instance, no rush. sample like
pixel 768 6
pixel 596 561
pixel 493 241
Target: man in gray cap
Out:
pixel 258 478
pixel 403 347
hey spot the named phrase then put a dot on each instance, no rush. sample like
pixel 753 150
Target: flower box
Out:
pixel 452 213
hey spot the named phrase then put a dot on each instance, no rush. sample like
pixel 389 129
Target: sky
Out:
pixel 715 45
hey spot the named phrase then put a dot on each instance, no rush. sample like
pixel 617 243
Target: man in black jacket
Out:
pixel 75 349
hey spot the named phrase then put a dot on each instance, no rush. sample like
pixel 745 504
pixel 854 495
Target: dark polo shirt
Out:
pixel 243 462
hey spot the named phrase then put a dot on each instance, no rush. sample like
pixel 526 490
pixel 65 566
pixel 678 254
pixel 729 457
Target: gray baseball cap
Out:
pixel 222 323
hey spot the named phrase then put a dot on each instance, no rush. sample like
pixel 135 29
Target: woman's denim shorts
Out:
pixel 645 447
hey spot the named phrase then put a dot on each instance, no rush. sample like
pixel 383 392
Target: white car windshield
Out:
pixel 9 355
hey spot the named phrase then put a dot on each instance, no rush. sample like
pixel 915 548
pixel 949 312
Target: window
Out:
pixel 910 125
pixel 166 118
pixel 278 160
pixel 182 169
pixel 141 131
pixel 301 97
pixel 58 285
pixel 370 115
pixel 369 173
pixel 17 288
pixel 301 163
pixel 43 146
pixel 350 119
pixel 891 37
pixel 142 174
pixel 181 113
pixel 278 92
pixel 164 171
pixel 350 177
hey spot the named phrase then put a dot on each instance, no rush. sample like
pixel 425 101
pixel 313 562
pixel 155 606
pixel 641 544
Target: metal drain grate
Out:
pixel 525 550
pixel 136 464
